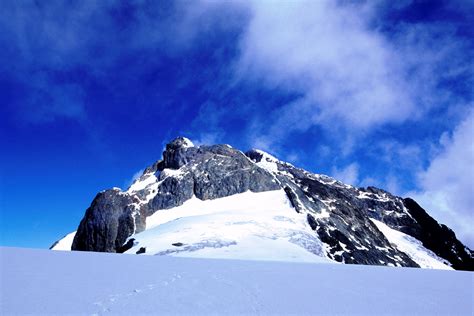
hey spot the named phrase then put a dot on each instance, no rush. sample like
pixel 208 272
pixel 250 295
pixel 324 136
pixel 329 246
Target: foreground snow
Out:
pixel 54 282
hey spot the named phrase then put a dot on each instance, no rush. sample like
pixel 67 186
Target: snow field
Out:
pixel 259 226
pixel 81 283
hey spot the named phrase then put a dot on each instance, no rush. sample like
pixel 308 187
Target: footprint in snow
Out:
pixel 114 298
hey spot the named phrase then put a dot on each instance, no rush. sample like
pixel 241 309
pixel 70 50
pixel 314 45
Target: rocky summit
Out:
pixel 209 200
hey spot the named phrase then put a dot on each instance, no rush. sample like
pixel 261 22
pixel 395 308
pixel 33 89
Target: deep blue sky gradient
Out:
pixel 88 102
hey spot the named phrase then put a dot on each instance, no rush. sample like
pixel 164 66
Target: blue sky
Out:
pixel 371 93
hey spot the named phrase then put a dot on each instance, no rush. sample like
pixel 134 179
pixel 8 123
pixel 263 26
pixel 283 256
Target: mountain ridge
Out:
pixel 347 221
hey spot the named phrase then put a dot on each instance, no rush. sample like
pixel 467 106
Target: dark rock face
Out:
pixel 345 226
pixel 341 216
pixel 172 192
pixel 129 244
pixel 141 250
pixel 311 221
pixel 439 238
pixel 108 222
pixel 208 172
pixel 177 153
pixel 292 197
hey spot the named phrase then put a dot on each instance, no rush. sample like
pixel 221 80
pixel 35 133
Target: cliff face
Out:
pixel 354 224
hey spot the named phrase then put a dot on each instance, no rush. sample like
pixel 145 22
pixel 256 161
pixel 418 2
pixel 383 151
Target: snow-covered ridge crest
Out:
pixel 264 160
pixel 180 142
pixel 143 182
pixel 266 156
pixel 186 142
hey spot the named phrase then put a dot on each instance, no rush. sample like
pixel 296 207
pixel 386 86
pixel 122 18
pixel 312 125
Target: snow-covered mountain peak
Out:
pixel 217 201
pixel 180 142
pixel 259 155
pixel 264 160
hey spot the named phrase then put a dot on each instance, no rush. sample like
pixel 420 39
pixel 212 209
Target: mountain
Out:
pixel 218 202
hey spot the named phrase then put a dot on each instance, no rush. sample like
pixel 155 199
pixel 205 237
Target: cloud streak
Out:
pixel 57 47
pixel 447 186
pixel 347 73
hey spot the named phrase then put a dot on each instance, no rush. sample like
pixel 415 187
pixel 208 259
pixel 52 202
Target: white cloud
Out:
pixel 208 124
pixel 135 176
pixel 447 185
pixel 207 139
pixel 344 71
pixel 350 77
pixel 292 157
pixel 349 174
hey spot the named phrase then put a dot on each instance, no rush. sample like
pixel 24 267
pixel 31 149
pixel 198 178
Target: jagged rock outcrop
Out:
pixel 347 220
pixel 108 222
pixel 208 172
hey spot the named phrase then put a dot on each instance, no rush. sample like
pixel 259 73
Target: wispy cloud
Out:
pixel 135 177
pixel 346 72
pixel 447 186
pixel 349 174
pixel 47 100
pixel 349 74
pixel 207 124
pixel 55 47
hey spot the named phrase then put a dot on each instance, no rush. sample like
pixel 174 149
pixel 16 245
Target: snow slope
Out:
pixel 65 243
pixel 254 226
pixel 258 226
pixel 56 282
pixel 412 247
